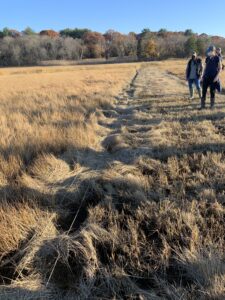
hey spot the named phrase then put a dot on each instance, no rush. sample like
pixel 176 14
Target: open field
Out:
pixel 177 67
pixel 112 185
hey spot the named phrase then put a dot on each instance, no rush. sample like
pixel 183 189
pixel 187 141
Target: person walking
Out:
pixel 219 54
pixel 194 72
pixel 213 67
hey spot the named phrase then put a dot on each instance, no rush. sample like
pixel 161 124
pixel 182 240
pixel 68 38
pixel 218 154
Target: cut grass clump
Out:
pixel 20 226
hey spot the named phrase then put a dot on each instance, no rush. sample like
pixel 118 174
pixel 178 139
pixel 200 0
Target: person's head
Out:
pixel 218 51
pixel 194 55
pixel 211 51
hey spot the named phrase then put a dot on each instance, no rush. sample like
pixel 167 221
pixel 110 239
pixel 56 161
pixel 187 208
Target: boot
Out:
pixel 212 103
pixel 191 93
pixel 200 93
pixel 202 103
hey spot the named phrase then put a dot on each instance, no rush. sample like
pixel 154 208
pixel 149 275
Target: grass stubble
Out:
pixel 112 185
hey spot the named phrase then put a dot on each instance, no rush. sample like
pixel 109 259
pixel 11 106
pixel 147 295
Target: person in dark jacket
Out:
pixel 219 53
pixel 193 74
pixel 213 67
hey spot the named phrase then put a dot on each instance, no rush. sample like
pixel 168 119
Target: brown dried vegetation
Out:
pixel 110 190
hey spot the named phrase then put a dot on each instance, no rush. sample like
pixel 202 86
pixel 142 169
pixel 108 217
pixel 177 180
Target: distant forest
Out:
pixel 30 48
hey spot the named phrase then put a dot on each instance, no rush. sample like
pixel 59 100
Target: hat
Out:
pixel 211 48
pixel 194 53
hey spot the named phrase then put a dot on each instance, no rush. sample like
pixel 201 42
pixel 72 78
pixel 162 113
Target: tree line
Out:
pixel 30 48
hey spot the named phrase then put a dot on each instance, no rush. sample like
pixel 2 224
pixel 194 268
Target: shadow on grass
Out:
pixel 72 207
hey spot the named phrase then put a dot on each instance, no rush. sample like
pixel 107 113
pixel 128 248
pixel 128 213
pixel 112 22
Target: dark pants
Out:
pixel 208 82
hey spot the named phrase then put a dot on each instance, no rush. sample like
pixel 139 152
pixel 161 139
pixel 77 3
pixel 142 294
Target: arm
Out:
pixel 187 71
pixel 218 74
pixel 202 69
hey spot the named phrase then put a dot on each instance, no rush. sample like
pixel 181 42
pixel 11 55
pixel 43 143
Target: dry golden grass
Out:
pixel 178 67
pixel 112 187
pixel 54 110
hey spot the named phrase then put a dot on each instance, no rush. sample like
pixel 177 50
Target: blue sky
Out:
pixel 203 16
